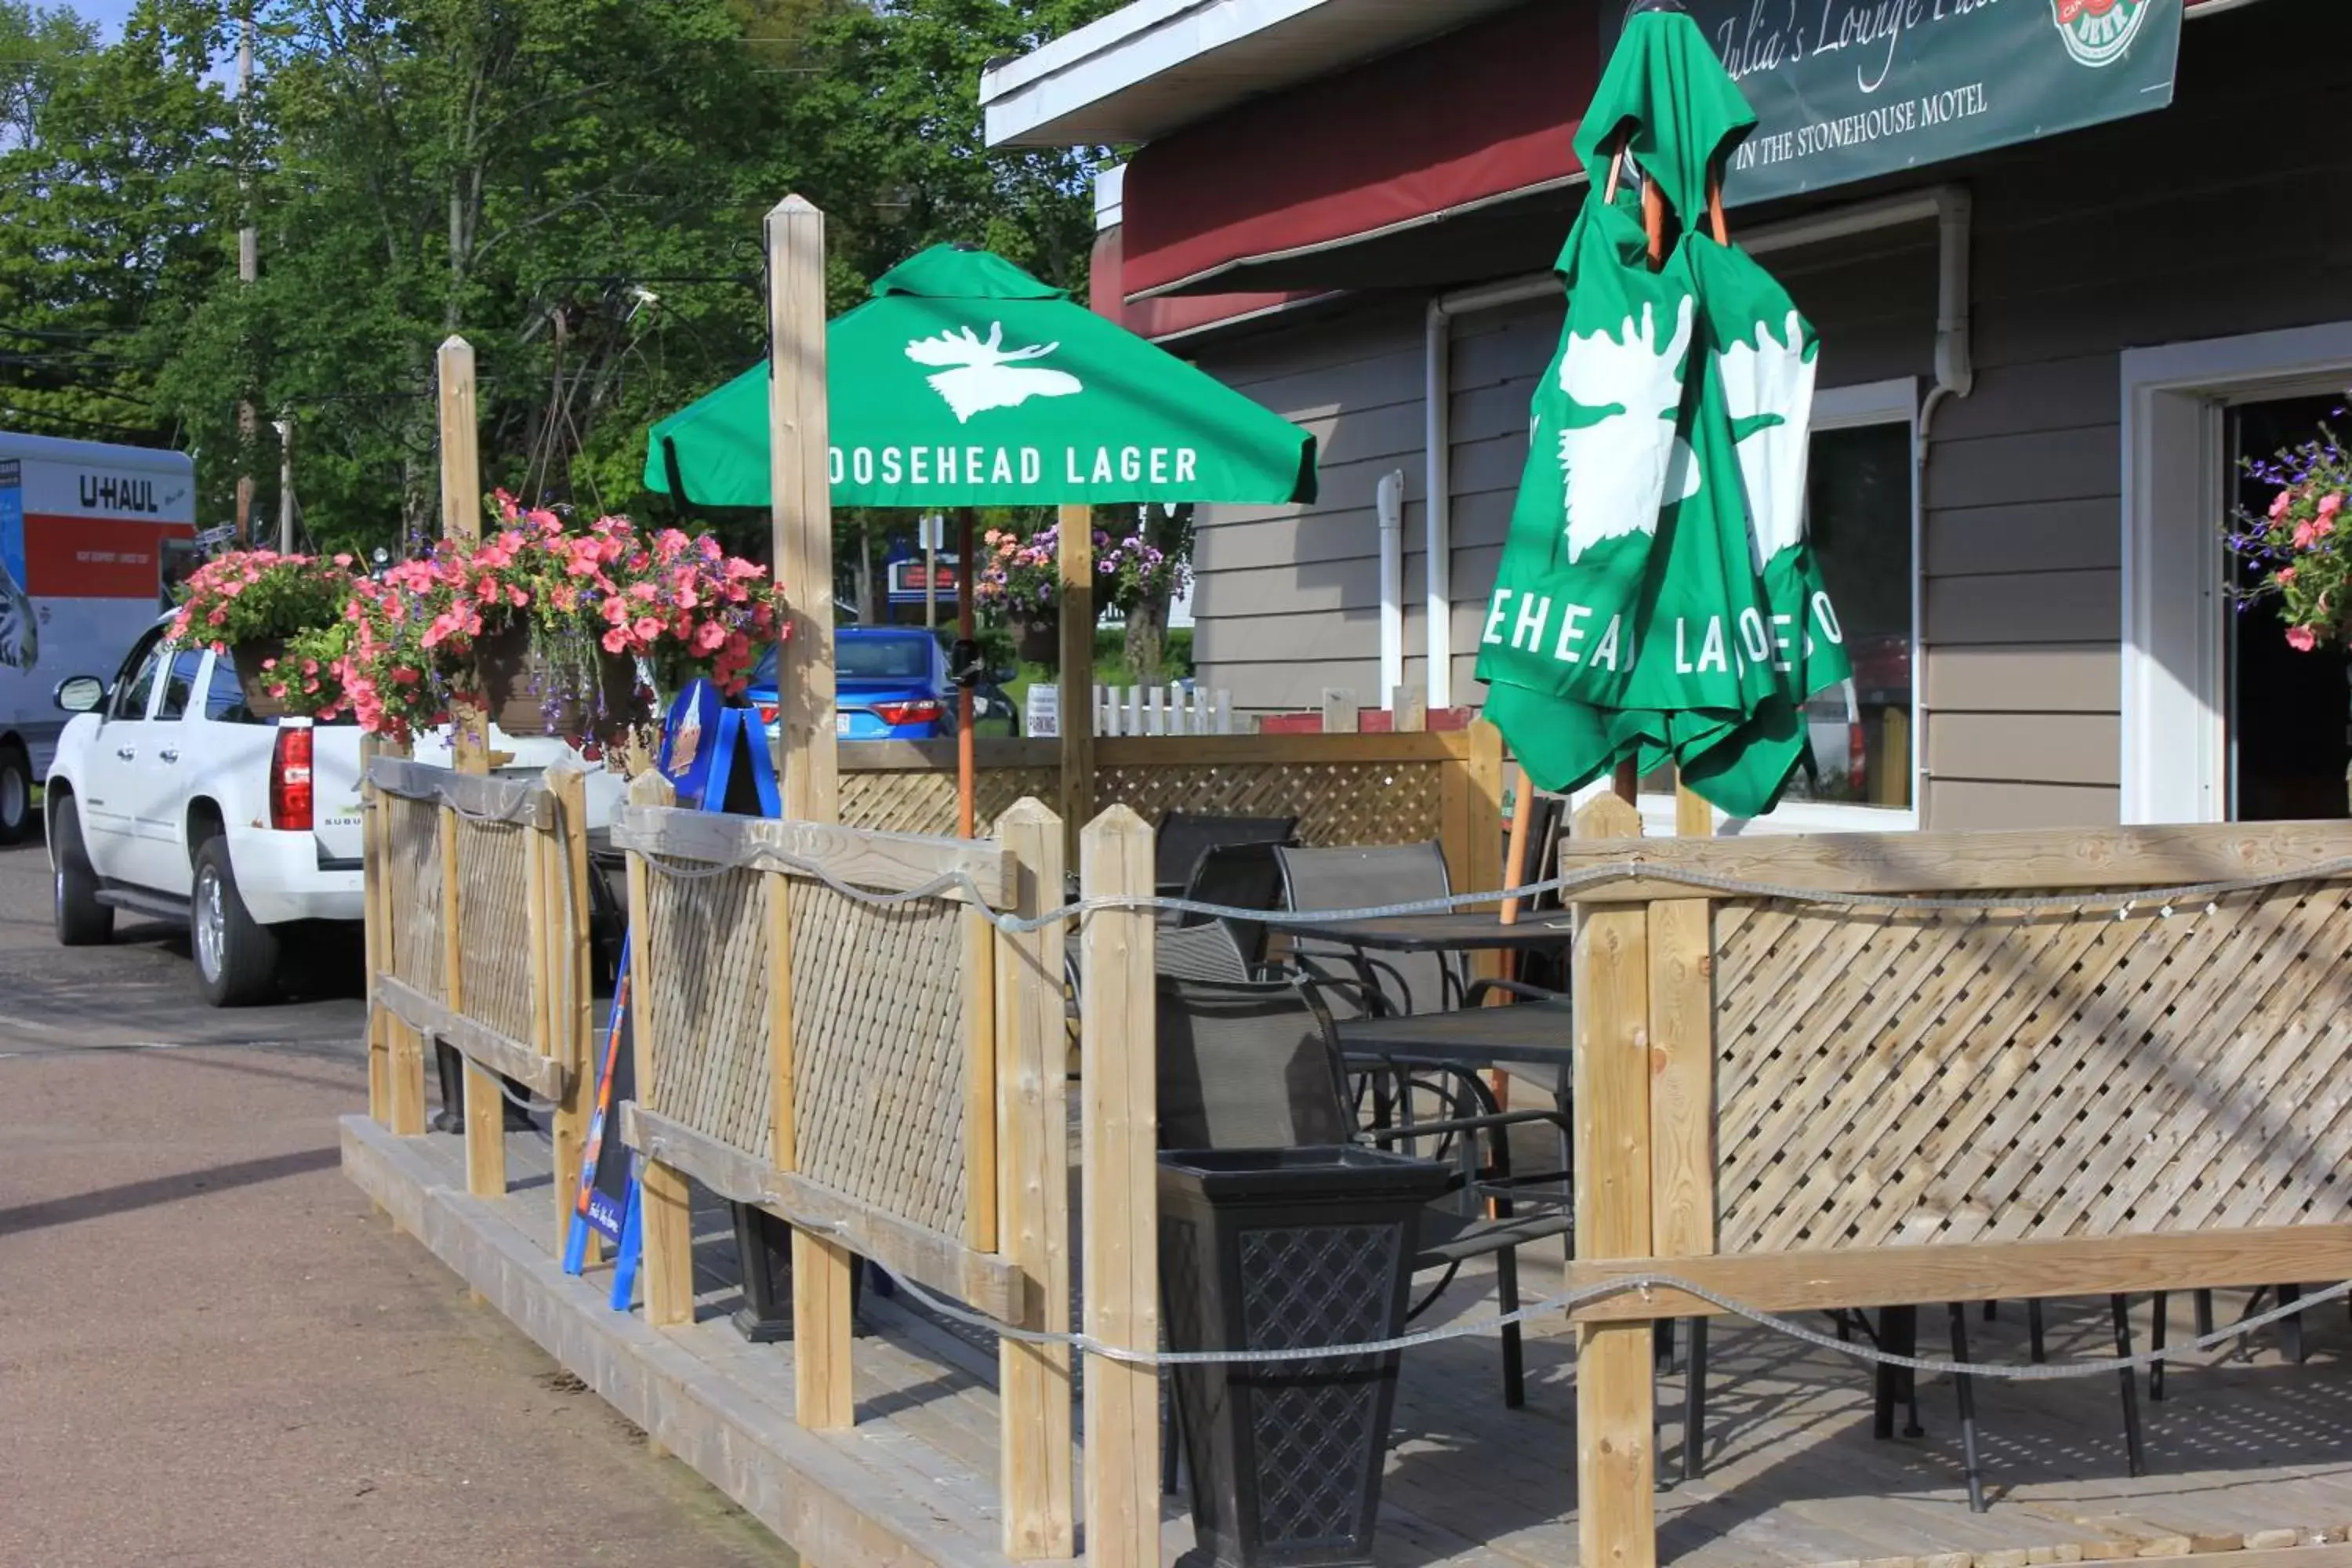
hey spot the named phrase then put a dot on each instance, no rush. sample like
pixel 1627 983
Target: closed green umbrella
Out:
pixel 965 381
pixel 1656 600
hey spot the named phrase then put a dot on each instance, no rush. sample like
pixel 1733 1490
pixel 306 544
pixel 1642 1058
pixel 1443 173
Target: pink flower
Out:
pixel 2285 575
pixel 2305 533
pixel 648 629
pixel 2329 505
pixel 2278 508
pixel 709 637
pixel 617 610
pixel 2323 525
pixel 2302 640
pixel 616 641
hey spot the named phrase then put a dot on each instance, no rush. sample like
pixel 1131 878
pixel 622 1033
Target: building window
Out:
pixel 1859 500
pixel 1863 523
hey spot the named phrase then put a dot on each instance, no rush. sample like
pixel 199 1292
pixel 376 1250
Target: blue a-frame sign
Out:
pixel 716 759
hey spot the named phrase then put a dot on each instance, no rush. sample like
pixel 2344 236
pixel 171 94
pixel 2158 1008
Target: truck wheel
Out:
pixel 236 959
pixel 16 795
pixel 81 919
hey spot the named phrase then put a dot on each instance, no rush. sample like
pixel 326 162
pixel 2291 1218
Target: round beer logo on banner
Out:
pixel 2099 32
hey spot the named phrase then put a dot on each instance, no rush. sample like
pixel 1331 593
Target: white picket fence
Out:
pixel 1170 710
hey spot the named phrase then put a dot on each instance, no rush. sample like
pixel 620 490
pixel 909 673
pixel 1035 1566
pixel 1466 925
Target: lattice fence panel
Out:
pixel 413 866
pixel 878 1053
pixel 1960 1076
pixel 709 961
pixel 926 801
pixel 1335 803
pixel 494 925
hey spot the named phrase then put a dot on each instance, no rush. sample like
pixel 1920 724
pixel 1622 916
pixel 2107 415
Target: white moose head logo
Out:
pixel 1767 390
pixel 988 375
pixel 1626 466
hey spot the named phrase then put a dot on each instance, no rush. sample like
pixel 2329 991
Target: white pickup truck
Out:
pixel 170 800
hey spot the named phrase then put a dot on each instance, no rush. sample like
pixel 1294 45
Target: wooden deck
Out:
pixel 2249 1456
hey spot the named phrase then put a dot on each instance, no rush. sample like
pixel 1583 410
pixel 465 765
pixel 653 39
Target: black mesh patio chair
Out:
pixel 1256 1065
pixel 1357 982
pixel 1239 877
pixel 1183 837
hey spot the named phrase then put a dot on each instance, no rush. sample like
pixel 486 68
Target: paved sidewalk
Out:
pixel 213 1354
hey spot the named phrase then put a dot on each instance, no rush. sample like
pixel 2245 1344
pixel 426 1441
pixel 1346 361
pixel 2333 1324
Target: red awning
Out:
pixel 1459 126
pixel 1474 117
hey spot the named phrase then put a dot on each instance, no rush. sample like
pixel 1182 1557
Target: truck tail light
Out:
pixel 921 710
pixel 767 713
pixel 289 780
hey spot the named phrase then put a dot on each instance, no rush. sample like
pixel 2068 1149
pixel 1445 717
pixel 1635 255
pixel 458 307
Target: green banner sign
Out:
pixel 1846 89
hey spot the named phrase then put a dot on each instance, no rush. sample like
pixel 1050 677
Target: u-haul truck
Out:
pixel 86 530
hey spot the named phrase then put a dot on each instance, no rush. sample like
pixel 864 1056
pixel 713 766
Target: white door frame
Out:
pixel 2175 762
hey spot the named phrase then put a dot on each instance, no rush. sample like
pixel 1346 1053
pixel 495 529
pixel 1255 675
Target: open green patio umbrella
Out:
pixel 1656 600
pixel 965 381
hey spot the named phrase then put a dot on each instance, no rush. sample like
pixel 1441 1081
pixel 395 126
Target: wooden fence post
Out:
pixel 374 932
pixel 800 508
pixel 461 518
pixel 404 1045
pixel 665 1206
pixel 809 759
pixel 1121 1137
pixel 571 1009
pixel 1615 1400
pixel 1033 1198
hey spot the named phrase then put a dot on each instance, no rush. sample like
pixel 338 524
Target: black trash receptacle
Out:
pixel 1285 1250
pixel 763 1250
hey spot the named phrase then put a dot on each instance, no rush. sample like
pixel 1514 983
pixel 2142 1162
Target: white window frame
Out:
pixel 1891 402
pixel 2176 485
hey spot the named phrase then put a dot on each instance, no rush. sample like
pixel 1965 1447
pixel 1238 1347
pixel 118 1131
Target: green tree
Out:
pixel 39 46
pixel 116 170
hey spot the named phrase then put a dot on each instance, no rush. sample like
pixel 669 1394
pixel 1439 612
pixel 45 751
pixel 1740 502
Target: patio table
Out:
pixel 1532 1034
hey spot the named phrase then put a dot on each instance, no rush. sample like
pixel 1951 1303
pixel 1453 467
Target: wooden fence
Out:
pixel 887 1076
pixel 477 922
pixel 1343 789
pixel 1804 1105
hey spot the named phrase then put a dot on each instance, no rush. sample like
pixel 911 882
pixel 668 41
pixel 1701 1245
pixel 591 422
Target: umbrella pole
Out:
pixel 1076 555
pixel 966 770
pixel 1694 817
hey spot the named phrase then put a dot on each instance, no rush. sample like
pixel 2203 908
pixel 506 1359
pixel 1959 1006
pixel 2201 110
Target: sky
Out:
pixel 107 13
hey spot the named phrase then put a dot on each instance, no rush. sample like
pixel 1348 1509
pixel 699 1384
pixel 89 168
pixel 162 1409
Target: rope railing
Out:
pixel 959 885
pixel 1620 1285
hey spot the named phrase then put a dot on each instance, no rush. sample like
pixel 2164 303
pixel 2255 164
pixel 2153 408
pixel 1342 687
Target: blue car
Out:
pixel 892 685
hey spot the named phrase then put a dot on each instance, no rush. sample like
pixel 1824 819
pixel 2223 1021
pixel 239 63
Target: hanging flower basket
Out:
pixel 253 605
pixel 1037 636
pixel 255 662
pixel 527 693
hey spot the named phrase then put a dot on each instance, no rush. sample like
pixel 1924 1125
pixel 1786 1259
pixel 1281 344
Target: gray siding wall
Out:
pixel 1289 598
pixel 2164 228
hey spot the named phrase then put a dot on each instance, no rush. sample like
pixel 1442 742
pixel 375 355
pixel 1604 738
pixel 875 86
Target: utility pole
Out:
pixel 248 264
pixel 286 484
